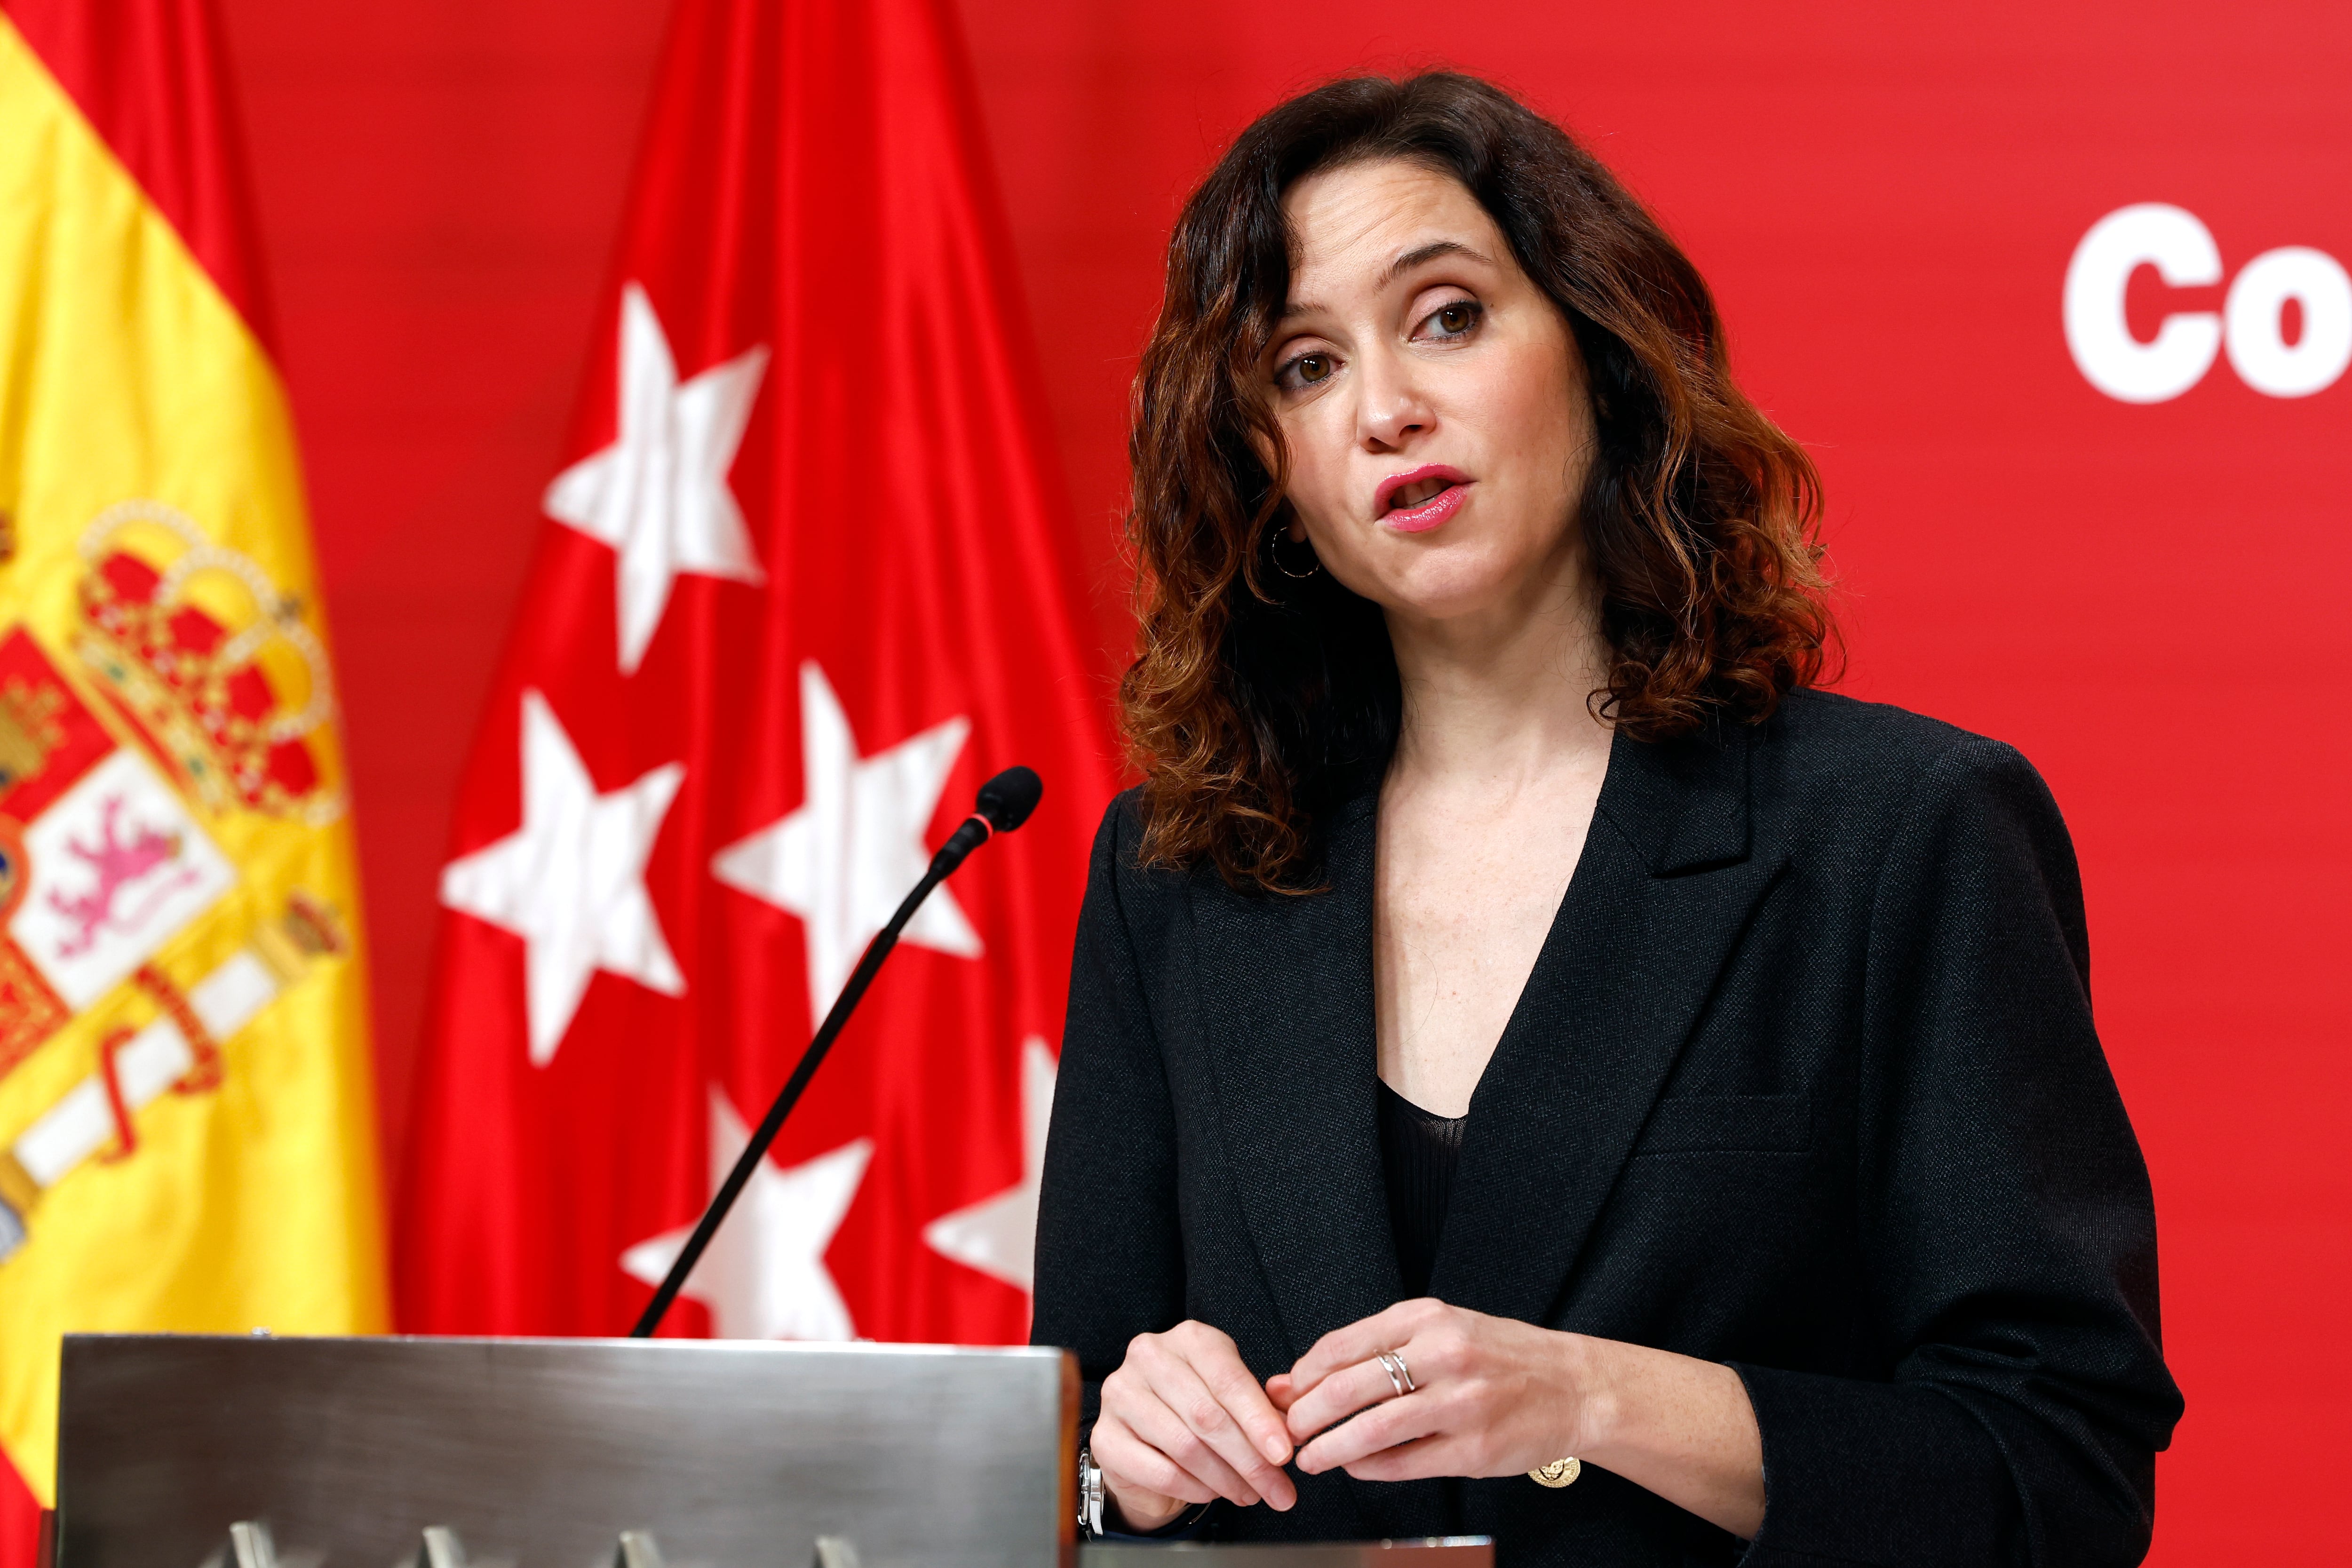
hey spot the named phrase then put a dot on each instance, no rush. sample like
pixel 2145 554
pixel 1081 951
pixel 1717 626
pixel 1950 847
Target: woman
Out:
pixel 1516 1021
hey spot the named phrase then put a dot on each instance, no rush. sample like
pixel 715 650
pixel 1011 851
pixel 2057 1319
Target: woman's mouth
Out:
pixel 1417 501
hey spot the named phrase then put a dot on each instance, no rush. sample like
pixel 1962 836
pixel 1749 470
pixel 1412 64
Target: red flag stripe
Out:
pixel 152 76
pixel 20 1520
pixel 770 682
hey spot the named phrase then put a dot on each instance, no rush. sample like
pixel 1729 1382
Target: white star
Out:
pixel 763 1275
pixel 843 860
pixel 659 494
pixel 998 1235
pixel 571 881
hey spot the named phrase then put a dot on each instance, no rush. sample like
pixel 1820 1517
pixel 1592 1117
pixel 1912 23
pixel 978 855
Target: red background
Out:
pixel 2146 599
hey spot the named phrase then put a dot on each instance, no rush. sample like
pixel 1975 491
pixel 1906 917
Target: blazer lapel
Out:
pixel 1286 1005
pixel 1665 883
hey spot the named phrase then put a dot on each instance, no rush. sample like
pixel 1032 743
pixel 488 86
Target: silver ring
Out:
pixel 1400 1374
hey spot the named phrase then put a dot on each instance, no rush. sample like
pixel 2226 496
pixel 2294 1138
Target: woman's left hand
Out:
pixel 1493 1396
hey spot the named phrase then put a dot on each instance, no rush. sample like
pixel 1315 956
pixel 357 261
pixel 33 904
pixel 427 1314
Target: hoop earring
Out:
pixel 1274 551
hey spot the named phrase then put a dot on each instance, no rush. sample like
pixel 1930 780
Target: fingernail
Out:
pixel 1274 1450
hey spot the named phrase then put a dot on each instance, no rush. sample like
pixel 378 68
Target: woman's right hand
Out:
pixel 1183 1422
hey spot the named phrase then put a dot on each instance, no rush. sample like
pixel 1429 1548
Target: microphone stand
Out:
pixel 1005 803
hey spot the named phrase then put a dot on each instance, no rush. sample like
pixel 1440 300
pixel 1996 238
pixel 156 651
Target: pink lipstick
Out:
pixel 1435 492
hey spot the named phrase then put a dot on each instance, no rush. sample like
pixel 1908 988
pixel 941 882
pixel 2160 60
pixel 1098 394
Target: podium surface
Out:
pixel 539 1453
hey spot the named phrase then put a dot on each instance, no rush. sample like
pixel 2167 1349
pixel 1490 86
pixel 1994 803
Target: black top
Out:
pixel 1419 1149
pixel 1804 1080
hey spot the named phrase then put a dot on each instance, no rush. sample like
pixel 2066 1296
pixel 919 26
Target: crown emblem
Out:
pixel 215 667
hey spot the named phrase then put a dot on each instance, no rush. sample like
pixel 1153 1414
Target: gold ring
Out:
pixel 1559 1473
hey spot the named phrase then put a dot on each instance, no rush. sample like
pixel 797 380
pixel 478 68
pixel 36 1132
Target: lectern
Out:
pixel 541 1453
pixel 193 1451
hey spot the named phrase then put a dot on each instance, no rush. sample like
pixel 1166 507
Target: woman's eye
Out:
pixel 1453 320
pixel 1305 371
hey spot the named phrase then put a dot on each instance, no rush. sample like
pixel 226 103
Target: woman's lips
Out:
pixel 1384 495
pixel 1429 514
pixel 1424 511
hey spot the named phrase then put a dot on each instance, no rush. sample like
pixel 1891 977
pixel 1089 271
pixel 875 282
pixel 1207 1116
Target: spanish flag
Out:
pixel 185 1132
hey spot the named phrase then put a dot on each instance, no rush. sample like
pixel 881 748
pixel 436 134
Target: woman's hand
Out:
pixel 1184 1422
pixel 1494 1397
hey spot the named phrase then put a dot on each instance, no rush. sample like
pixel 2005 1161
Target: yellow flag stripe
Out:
pixel 138 416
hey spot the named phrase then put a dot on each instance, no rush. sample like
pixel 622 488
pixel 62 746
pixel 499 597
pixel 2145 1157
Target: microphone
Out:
pixel 1003 803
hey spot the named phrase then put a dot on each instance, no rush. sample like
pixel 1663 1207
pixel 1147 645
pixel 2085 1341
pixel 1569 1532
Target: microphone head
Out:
pixel 1007 799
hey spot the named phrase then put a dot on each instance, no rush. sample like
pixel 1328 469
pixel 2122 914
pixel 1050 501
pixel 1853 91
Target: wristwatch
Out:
pixel 1090 1495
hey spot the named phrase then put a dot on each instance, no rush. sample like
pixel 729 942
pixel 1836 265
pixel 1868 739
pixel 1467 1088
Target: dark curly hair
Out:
pixel 1253 693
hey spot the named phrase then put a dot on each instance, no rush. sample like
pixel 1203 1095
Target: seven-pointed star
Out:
pixel 659 494
pixel 571 881
pixel 763 1275
pixel 998 1235
pixel 843 860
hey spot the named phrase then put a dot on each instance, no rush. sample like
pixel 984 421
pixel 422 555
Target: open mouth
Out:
pixel 1418 502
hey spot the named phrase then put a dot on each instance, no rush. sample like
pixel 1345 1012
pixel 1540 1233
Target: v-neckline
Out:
pixel 1369 802
pixel 1282 1005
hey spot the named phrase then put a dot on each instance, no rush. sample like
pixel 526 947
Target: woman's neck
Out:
pixel 1501 697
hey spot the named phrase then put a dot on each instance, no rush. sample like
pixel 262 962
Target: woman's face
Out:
pixel 1432 398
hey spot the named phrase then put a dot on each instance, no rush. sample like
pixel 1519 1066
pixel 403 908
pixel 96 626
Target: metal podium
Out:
pixel 541 1453
pixel 194 1451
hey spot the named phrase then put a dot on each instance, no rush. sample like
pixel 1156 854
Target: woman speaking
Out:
pixel 1534 1066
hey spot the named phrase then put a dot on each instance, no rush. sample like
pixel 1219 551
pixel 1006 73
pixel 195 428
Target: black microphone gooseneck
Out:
pixel 1004 804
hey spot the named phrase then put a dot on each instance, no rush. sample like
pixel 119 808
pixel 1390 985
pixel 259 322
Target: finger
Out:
pixel 1339 1397
pixel 1219 1367
pixel 1213 1356
pixel 1279 1392
pixel 1422 1456
pixel 1359 1340
pixel 1127 1458
pixel 1205 1410
pixel 1166 1431
pixel 1384 1426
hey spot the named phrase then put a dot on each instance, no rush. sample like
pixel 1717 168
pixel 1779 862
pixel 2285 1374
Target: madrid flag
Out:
pixel 801 585
pixel 184 1126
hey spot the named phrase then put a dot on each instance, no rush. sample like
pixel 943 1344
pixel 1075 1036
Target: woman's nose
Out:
pixel 1393 410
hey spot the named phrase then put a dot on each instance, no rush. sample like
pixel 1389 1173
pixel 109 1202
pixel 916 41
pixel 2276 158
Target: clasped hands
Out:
pixel 1184 1422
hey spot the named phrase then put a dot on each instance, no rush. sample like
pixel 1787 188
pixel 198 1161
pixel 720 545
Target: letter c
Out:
pixel 2181 250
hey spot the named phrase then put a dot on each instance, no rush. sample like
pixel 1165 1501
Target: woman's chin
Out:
pixel 1458 585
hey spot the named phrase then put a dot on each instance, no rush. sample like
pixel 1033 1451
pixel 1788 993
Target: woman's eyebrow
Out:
pixel 1431 252
pixel 1411 258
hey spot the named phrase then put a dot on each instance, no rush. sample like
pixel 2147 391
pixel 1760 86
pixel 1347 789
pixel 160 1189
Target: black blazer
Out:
pixel 1803 1080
